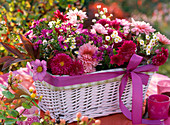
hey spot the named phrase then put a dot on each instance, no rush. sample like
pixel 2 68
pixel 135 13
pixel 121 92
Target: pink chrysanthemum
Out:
pixel 117 59
pixel 86 53
pixel 76 68
pixel 60 64
pixel 141 27
pixel 163 39
pixel 39 69
pixel 127 50
pixel 76 16
pixel 99 28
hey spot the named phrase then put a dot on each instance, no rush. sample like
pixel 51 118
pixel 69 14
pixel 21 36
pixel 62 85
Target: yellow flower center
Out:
pixel 62 63
pixel 39 69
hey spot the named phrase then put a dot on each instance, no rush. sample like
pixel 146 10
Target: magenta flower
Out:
pixel 76 68
pixel 60 15
pixel 117 59
pixel 60 64
pixel 39 69
pixel 99 28
pixel 141 27
pixel 163 39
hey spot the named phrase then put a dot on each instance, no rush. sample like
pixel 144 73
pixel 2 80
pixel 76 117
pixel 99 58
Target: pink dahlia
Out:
pixel 163 39
pixel 127 49
pixel 117 59
pixel 60 64
pixel 76 68
pixel 99 28
pixel 39 69
pixel 86 53
pixel 141 27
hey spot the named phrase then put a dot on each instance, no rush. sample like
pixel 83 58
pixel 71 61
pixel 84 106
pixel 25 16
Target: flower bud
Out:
pixel 15 85
pixel 53 120
pixel 47 113
pixel 10 73
pixel 78 115
pixel 97 122
pixel 12 106
pixel 85 119
pixel 33 95
pixel 62 121
pixel 14 101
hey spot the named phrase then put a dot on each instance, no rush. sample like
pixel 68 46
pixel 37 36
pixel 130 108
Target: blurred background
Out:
pixel 16 16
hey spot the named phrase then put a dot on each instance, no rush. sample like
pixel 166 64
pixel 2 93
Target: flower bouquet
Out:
pixel 91 70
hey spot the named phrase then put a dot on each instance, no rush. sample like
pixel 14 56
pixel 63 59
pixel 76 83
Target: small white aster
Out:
pixel 101 12
pixel 147 37
pixel 120 39
pixel 152 40
pixel 116 40
pixel 106 46
pixel 98 6
pixel 113 35
pixel 72 47
pixel 107 38
pixel 155 37
pixel 57 26
pixel 141 42
pixel 96 15
pixel 76 52
pixel 148 46
pixel 148 52
pixel 65 47
pixel 51 23
pixel 103 16
pixel 61 30
pixel 116 33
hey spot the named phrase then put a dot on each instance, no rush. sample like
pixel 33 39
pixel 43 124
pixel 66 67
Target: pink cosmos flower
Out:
pixel 60 64
pixel 76 15
pixel 39 69
pixel 163 39
pixel 99 28
pixel 141 27
pixel 86 53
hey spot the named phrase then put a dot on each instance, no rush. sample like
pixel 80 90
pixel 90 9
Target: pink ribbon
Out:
pixel 133 71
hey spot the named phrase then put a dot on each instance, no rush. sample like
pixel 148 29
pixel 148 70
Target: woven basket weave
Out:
pixel 91 99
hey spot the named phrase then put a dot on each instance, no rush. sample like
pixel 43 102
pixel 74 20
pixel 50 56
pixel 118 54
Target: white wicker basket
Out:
pixel 91 99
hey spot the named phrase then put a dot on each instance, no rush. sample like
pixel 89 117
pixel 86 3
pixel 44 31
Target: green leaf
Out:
pixel 23 118
pixel 35 103
pixel 8 94
pixel 14 113
pixel 36 123
pixel 27 105
pixel 26 96
pixel 2 86
pixel 10 121
pixel 2 116
pixel 9 1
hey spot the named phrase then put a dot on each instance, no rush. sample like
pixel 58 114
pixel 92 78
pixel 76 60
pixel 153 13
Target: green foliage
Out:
pixel 8 94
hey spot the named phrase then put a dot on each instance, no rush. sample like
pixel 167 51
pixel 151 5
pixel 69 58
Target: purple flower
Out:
pixel 80 40
pixel 45 32
pixel 95 38
pixel 36 23
pixel 36 44
pixel 39 69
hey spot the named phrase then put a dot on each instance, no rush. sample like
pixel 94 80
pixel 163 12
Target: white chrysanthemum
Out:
pixel 116 40
pixel 147 37
pixel 148 52
pixel 72 47
pixel 148 46
pixel 103 16
pixel 115 33
pixel 141 42
pixel 155 37
pixel 107 38
pixel 120 39
pixel 76 52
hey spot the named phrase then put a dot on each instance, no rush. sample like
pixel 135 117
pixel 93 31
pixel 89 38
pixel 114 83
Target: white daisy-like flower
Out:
pixel 93 20
pixel 155 37
pixel 72 47
pixel 116 40
pixel 57 26
pixel 44 42
pixel 107 38
pixel 101 12
pixel 147 37
pixel 96 15
pixel 148 46
pixel 76 52
pixel 2 22
pixel 120 39
pixel 153 40
pixel 98 6
pixel 51 24
pixel 113 35
pixel 116 33
pixel 65 47
pixel 105 10
pixel 141 42
pixel 148 52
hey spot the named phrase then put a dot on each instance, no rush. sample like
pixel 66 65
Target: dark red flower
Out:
pixel 103 21
pixel 76 68
pixel 117 59
pixel 127 49
pixel 60 15
pixel 115 24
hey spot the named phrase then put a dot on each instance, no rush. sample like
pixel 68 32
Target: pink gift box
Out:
pixel 158 106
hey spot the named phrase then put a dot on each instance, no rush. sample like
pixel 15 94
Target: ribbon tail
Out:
pixel 122 86
pixel 137 100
